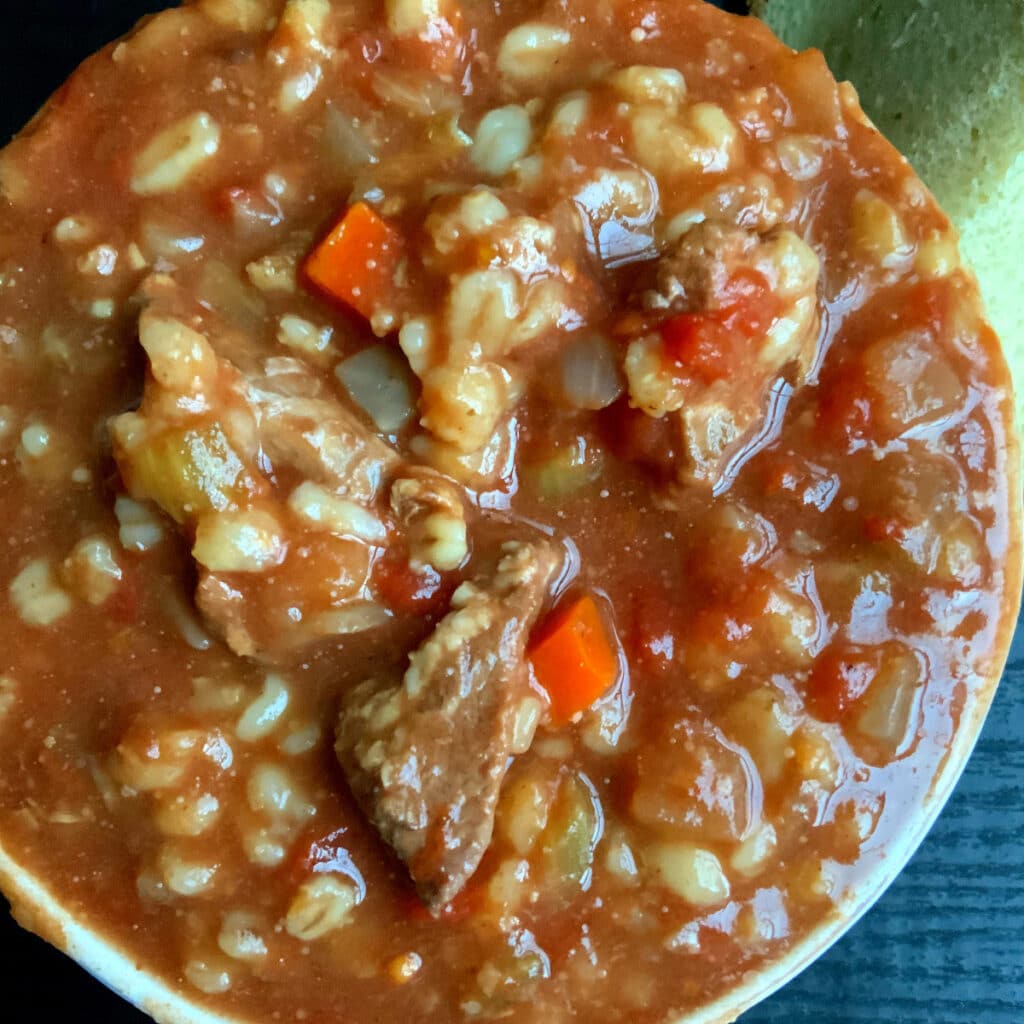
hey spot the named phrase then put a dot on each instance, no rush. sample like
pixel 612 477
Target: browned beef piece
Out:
pixel 304 427
pixel 426 758
pixel 285 426
pixel 719 419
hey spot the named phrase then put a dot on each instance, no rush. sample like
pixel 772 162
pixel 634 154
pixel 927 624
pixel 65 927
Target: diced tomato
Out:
pixel 749 305
pixel 638 438
pixel 839 677
pixel 844 409
pixel 882 528
pixel 713 344
pixel 702 345
pixel 408 590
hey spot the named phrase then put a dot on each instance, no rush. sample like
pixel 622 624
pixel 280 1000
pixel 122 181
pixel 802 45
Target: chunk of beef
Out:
pixel 740 308
pixel 280 485
pixel 309 430
pixel 426 758
pixel 430 511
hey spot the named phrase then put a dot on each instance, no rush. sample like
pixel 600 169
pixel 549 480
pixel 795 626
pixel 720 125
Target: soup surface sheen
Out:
pixel 506 504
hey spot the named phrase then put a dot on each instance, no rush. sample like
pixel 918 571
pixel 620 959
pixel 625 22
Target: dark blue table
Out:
pixel 945 945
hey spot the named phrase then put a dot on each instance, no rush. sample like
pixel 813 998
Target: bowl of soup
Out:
pixel 511 513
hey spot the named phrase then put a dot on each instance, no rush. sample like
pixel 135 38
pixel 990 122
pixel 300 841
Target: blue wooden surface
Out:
pixel 945 945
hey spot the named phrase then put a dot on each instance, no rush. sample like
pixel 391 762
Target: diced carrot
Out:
pixel 356 262
pixel 574 660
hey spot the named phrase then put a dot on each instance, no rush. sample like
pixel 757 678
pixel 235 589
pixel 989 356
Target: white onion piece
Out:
pixel 254 213
pixel 346 146
pixel 422 95
pixel 166 236
pixel 224 291
pixel 379 380
pixel 591 375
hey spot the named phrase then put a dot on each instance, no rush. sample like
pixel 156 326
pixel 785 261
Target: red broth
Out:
pixel 505 504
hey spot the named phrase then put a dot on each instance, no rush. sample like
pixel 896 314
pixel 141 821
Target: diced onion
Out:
pixel 346 146
pixel 223 290
pixel 422 95
pixel 591 376
pixel 892 704
pixel 379 380
pixel 167 236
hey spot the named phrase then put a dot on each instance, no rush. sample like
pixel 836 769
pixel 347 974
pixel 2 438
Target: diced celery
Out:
pixel 574 829
pixel 187 472
pixel 567 472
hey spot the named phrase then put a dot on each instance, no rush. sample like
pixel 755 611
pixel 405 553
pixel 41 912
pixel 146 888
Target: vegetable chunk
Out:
pixel 575 660
pixel 356 262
